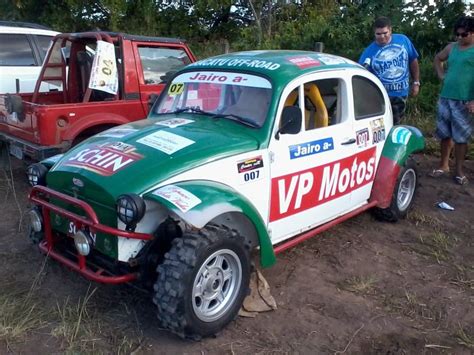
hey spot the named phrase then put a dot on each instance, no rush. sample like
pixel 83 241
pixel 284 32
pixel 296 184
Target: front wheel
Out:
pixel 403 194
pixel 202 282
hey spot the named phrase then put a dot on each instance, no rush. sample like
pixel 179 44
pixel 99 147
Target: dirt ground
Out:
pixel 364 287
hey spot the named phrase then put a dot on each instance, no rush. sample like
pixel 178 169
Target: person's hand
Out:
pixel 415 89
pixel 470 106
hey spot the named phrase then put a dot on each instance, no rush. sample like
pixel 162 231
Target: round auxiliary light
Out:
pixel 83 242
pixel 130 209
pixel 36 220
pixel 36 174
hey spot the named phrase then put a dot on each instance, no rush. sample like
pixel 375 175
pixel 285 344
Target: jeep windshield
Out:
pixel 239 97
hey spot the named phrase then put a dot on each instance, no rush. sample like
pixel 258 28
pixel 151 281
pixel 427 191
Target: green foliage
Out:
pixel 212 26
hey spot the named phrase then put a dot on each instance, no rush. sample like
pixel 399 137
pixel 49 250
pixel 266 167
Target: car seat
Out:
pixel 316 114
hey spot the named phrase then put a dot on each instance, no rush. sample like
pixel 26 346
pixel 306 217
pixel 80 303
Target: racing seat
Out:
pixel 316 113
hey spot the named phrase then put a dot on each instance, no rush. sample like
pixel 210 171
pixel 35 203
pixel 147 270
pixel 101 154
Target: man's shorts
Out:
pixel 453 120
pixel 399 104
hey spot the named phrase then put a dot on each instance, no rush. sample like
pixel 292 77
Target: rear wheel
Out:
pixel 403 194
pixel 202 282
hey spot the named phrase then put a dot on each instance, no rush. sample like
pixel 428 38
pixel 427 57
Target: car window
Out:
pixel 320 103
pixel 159 63
pixel 43 45
pixel 16 50
pixel 368 98
pixel 244 95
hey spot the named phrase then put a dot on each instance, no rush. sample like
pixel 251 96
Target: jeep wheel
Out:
pixel 402 198
pixel 202 282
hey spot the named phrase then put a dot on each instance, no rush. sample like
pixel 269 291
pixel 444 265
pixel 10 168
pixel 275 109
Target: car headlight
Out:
pixel 37 174
pixel 83 242
pixel 36 220
pixel 130 209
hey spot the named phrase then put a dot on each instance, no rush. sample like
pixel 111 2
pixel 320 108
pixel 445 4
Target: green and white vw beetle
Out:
pixel 252 150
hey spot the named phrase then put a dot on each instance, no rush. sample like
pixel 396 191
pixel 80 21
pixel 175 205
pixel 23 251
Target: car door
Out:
pixel 314 171
pixel 372 122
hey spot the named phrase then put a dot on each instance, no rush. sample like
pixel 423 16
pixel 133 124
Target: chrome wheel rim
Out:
pixel 406 189
pixel 216 285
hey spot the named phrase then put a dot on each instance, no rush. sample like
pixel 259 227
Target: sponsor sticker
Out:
pixel 223 78
pixel 105 159
pixel 310 148
pixel 378 130
pixel 174 122
pixel 362 137
pixel 104 75
pixel 401 135
pixel 250 169
pixel 237 62
pixel 167 142
pixel 118 132
pixel 303 62
pixel 300 191
pixel 175 89
pixel 330 59
pixel 181 198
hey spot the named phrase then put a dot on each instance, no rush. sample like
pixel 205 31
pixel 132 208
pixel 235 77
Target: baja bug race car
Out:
pixel 252 150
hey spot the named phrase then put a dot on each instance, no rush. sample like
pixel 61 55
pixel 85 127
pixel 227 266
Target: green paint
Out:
pixel 400 152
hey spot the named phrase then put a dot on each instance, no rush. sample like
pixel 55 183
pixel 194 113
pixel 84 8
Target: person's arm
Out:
pixel 439 60
pixel 415 74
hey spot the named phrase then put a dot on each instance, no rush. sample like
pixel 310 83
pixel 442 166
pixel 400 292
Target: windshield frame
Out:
pixel 235 80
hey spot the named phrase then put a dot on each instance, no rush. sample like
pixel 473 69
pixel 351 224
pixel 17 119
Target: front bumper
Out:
pixel 85 265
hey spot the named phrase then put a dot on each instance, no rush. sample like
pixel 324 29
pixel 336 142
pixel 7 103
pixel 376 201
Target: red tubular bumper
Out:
pixel 40 196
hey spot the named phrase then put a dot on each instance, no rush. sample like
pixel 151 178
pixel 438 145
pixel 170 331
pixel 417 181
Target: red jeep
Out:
pixel 98 80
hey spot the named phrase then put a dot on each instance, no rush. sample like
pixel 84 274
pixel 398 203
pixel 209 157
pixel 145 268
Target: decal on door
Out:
pixel 250 169
pixel 297 192
pixel 362 137
pixel 378 130
pixel 310 148
pixel 105 159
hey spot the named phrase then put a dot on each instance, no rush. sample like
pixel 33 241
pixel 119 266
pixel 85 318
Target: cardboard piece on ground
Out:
pixel 260 298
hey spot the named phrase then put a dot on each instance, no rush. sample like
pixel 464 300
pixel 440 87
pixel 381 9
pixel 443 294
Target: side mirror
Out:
pixel 290 121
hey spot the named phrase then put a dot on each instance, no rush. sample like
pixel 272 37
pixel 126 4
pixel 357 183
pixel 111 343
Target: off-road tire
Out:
pixel 183 268
pixel 403 194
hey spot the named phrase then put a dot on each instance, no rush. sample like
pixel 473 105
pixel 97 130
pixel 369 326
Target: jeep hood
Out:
pixel 132 157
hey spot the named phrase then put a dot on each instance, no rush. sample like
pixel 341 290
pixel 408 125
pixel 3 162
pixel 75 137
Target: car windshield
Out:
pixel 240 97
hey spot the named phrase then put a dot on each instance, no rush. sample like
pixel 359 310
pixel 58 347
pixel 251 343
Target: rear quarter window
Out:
pixel 368 98
pixel 159 63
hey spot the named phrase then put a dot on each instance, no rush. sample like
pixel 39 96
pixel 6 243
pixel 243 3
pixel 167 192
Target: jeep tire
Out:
pixel 202 282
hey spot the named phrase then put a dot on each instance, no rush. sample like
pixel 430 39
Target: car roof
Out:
pixel 27 30
pixel 279 65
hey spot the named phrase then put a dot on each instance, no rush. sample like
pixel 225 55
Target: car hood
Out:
pixel 133 157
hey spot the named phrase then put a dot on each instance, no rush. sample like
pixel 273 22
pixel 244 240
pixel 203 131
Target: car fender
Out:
pixel 89 121
pixel 199 202
pixel 402 141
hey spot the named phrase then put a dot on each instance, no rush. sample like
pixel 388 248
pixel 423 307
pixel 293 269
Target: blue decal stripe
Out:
pixel 310 148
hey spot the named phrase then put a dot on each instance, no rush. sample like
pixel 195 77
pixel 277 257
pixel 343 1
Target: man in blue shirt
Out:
pixel 393 58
